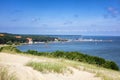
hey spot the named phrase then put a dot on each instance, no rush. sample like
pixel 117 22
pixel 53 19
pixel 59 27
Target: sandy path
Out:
pixel 16 63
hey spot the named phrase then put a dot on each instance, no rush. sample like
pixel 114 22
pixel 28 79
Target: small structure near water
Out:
pixel 30 41
pixel 18 37
pixel 1 35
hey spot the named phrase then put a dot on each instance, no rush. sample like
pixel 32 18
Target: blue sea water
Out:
pixel 108 48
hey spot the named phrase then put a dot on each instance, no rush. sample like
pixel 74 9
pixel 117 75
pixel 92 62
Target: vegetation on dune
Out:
pixel 5 75
pixel 105 74
pixel 76 56
pixel 10 49
pixel 47 66
pixel 61 61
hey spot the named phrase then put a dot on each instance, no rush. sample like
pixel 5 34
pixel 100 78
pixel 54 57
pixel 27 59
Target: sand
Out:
pixel 16 64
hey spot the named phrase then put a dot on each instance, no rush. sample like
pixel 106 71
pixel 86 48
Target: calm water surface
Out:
pixel 109 50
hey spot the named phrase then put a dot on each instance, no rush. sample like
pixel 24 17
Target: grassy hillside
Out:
pixel 76 56
pixel 57 63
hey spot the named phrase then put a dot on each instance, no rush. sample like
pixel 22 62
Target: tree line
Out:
pixel 11 38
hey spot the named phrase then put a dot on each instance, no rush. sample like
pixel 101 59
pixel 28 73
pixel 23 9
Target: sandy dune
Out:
pixel 16 63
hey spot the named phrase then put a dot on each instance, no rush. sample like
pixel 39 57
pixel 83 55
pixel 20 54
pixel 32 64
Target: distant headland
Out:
pixel 8 38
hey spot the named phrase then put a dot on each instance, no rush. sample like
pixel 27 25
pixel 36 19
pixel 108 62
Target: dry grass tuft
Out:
pixel 5 75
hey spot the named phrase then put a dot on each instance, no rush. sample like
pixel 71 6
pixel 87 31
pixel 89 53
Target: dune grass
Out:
pixel 47 67
pixel 105 74
pixel 60 65
pixel 5 75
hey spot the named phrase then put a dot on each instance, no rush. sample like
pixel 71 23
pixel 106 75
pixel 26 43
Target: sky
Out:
pixel 60 17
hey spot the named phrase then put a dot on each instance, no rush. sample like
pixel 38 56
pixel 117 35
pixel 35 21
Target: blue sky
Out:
pixel 70 17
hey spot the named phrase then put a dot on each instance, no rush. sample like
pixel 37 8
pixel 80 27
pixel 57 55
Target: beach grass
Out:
pixel 47 67
pixel 5 75
pixel 60 65
pixel 105 74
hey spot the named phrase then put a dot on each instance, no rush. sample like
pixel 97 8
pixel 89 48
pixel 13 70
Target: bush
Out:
pixel 86 58
pixel 10 49
pixel 9 43
pixel 111 65
pixel 33 52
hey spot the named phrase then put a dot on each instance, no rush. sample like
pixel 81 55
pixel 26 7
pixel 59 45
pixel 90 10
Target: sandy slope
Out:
pixel 16 63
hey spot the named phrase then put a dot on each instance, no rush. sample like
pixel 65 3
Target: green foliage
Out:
pixel 10 49
pixel 11 39
pixel 76 56
pixel 33 52
pixel 1 48
pixel 47 66
pixel 111 64
pixel 9 43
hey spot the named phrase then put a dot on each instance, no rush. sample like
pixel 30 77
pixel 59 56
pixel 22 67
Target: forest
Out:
pixel 7 38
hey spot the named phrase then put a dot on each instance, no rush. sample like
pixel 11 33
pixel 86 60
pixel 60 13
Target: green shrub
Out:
pixel 86 58
pixel 111 65
pixel 1 48
pixel 9 43
pixel 33 52
pixel 10 49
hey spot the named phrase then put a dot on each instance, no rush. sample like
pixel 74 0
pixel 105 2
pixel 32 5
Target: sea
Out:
pixel 107 47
